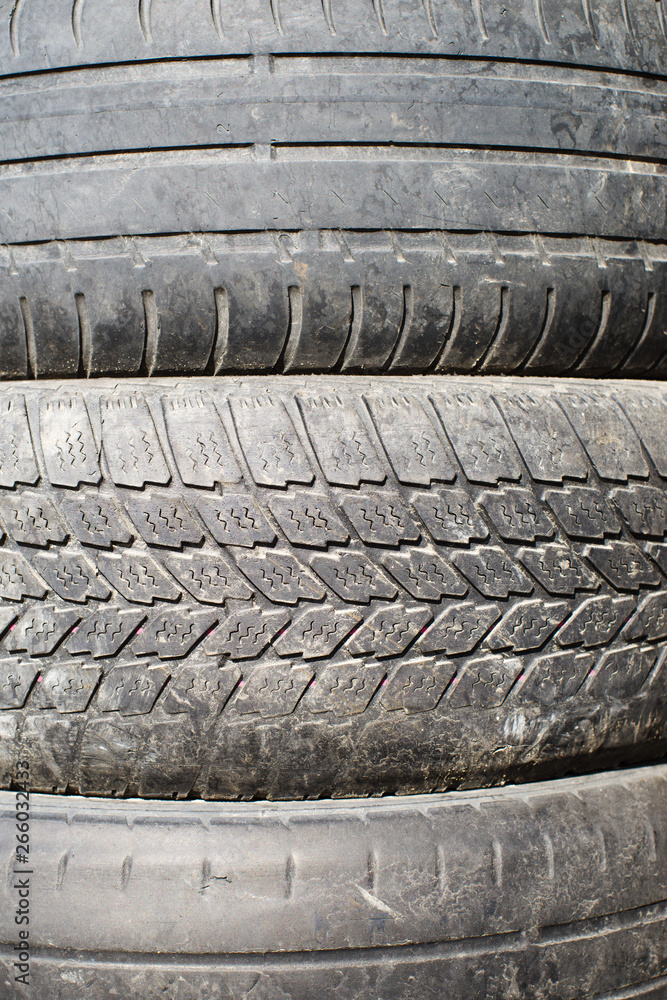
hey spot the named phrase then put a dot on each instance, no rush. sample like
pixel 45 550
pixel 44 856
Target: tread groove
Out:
pixel 598 336
pixel 539 14
pixel 221 335
pixel 378 8
pixel 328 16
pixel 14 27
pixel 651 308
pixel 145 17
pixel 77 15
pixel 479 17
pixel 428 10
pixel 545 332
pixel 290 352
pixel 355 327
pixel 440 363
pixel 276 15
pixel 85 335
pixel 504 316
pixel 151 332
pixel 216 17
pixel 29 329
pixel 405 328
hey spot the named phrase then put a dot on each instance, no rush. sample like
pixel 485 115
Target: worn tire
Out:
pixel 338 163
pixel 553 890
pixel 298 587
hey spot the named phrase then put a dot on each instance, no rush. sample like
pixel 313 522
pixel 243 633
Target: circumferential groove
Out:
pixel 605 313
pixel 145 19
pixel 454 328
pixel 294 328
pixel 221 336
pixel 428 10
pixel 216 17
pixel 379 15
pixel 77 14
pixel 545 332
pixel 151 332
pixel 14 26
pixel 85 335
pixel 479 17
pixel 539 14
pixel 349 350
pixel 588 14
pixel 328 16
pixel 276 15
pixel 31 347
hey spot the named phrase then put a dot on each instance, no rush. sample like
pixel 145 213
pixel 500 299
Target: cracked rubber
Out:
pixel 269 587
pixel 556 889
pixel 356 185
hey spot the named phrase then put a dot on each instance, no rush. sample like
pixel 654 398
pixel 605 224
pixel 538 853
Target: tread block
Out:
pixel 650 620
pixel 623 565
pixel 340 441
pixel 270 444
pixel 172 633
pixel 353 577
pixel 317 633
pixel 31 519
pixel 246 634
pixel 17 457
pixel 344 688
pixel 480 439
pixel 419 458
pixel 308 519
pixel 558 569
pixel 644 509
pixel 137 577
pixel 96 520
pixel 459 629
pixel 131 689
pixel 424 575
pixel 382 520
pixel 68 445
pixel 16 679
pixel 484 683
pixel 272 691
pixel 202 689
pixel 596 622
pixel 235 519
pixel 583 513
pixel 199 442
pixel 517 516
pixel 658 554
pixel 389 631
pixel 622 672
pixel 208 577
pixel 131 444
pixel 492 572
pixel 71 576
pixel 17 579
pixel 556 677
pixel 280 576
pixel 606 434
pixel 528 625
pixel 162 520
pixel 417 686
pixel 104 632
pixel 544 438
pixel 450 517
pixel 647 414
pixel 39 631
pixel 67 687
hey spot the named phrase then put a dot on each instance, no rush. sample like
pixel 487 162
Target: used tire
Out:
pixel 229 588
pixel 551 890
pixel 338 163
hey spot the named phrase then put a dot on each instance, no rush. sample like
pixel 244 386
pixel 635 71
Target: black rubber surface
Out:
pixel 553 890
pixel 288 587
pixel 335 161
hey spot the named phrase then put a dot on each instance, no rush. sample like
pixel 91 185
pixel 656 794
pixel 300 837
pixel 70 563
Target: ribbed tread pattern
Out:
pixel 398 302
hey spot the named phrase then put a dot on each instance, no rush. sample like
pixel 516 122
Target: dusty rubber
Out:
pixel 227 588
pixel 551 890
pixel 324 173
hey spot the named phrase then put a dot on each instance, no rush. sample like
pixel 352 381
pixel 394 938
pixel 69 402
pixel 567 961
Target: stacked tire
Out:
pixel 333 573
